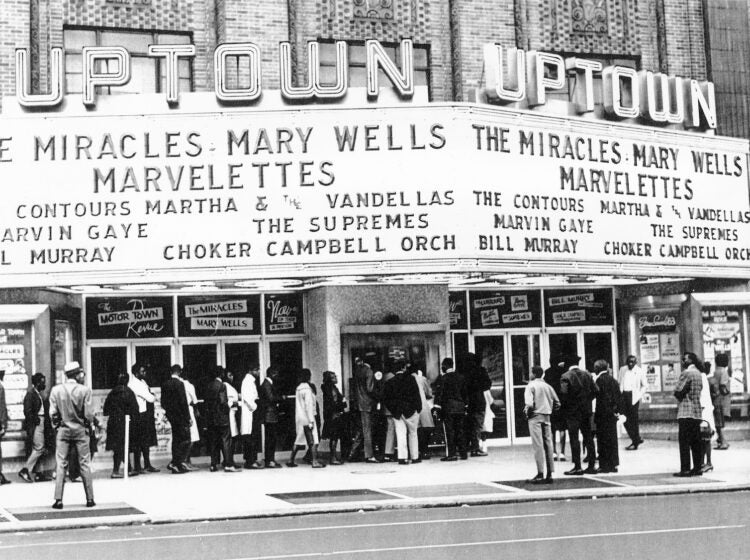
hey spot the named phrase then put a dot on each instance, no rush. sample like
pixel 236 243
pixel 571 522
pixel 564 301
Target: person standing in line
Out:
pixel 269 402
pixel 577 392
pixel 3 425
pixel 552 377
pixel 608 404
pixel 689 415
pixel 365 402
pixel 145 428
pixel 426 421
pixel 175 404
pixel 450 400
pixel 633 385
pixel 401 397
pixel 249 418
pixel 304 420
pixel 334 406
pixel 723 398
pixel 121 402
pixel 217 422
pixel 540 401
pixel 477 382
pixel 384 440
pixel 72 413
pixel 708 428
pixel 37 425
pixel 195 434
pixel 233 400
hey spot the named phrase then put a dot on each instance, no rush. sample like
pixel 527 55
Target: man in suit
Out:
pixel 175 405
pixel 477 382
pixel 35 420
pixel 269 401
pixel 3 426
pixel 250 417
pixel 217 422
pixel 364 400
pixel 577 391
pixel 608 405
pixel 72 413
pixel 451 399
pixel 690 415
pixel 633 385
pixel 144 429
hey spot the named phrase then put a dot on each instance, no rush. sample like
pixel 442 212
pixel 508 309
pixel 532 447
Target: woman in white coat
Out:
pixel 304 419
pixel 248 405
pixel 192 401
pixel 707 414
pixel 233 401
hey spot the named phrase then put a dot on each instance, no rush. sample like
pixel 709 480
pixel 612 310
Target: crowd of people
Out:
pixel 389 416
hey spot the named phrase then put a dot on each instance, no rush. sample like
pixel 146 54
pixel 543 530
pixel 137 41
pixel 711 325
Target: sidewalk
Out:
pixel 202 495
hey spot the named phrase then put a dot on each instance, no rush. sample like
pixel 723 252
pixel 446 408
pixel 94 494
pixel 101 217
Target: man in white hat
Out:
pixel 72 412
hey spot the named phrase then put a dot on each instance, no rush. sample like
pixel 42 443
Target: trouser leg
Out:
pixel 683 438
pixel 390 436
pixel 367 433
pixel 412 439
pixel 270 444
pixel 588 441
pixel 547 442
pixel 574 426
pixel 696 444
pixel 37 448
pixel 227 446
pixel 537 443
pixel 400 428
pixel 61 454
pixel 84 462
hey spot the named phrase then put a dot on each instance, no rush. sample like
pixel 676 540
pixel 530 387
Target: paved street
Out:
pixel 664 527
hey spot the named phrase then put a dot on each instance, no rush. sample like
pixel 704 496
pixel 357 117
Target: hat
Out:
pixel 572 360
pixel 71 366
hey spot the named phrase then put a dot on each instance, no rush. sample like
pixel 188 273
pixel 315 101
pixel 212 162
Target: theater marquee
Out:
pixel 310 191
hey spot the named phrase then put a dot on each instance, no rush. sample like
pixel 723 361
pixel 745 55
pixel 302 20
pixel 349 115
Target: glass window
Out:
pixel 157 360
pixel 107 362
pixel 147 74
pixel 357 61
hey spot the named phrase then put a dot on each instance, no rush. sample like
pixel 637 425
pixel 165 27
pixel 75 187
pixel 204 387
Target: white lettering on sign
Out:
pixel 216 308
pixel 130 316
pixel 651 321
pixel 490 317
pixel 567 300
pixel 519 303
pixel 280 313
pixel 489 302
pixel 568 317
pixel 221 323
pixel 516 317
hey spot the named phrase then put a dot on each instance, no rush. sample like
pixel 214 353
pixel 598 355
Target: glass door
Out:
pixel 560 345
pixel 199 363
pixel 525 352
pixel 157 358
pixel 286 357
pixel 490 351
pixel 597 346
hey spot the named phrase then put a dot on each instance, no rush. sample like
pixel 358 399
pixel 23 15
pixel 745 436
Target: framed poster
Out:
pixel 457 312
pixel 284 313
pixel 564 308
pixel 505 310
pixel 129 317
pixel 231 315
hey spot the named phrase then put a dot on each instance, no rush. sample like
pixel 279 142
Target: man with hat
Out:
pixel 577 391
pixel 72 412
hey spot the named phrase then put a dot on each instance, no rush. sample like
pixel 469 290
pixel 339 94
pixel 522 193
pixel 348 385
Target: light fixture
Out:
pixel 141 287
pixel 277 284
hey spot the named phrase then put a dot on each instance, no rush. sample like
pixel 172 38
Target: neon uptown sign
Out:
pixel 512 76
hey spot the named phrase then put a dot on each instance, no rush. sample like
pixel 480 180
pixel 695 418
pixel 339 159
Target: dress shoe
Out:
pixel 547 480
pixel 318 465
pixel 133 473
pixel 416 461
pixel 591 470
pixel 151 469
pixel 116 474
pixel 291 465
pixel 708 467
pixel 607 471
pixel 463 457
pixel 576 471
pixel 40 477
pixel 449 458
pixel 90 503
pixel 231 468
pixel 189 467
pixel 640 441
pixel 257 465
pixel 3 480
pixel 213 468
pixel 538 479
pixel 561 457
pixel 683 474
pixel 388 458
pixel 57 505
pixel 372 460
pixel 722 446
pixel 173 468
pixel 632 447
pixel 24 474
pixel 403 461
pixel 272 465
pixel 182 469
pixel 697 472
pixel 336 462
pixel 479 454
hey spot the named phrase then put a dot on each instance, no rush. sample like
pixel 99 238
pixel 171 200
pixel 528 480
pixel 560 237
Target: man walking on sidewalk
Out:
pixel 175 404
pixel 540 401
pixel 72 412
pixel 632 380
pixel 578 390
pixel 35 420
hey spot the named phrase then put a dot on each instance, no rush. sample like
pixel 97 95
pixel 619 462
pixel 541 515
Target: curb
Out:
pixel 361 507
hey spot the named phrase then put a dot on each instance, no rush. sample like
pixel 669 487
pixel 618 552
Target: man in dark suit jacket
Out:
pixel 174 403
pixel 477 382
pixel 217 422
pixel 451 399
pixel 365 401
pixel 577 391
pixel 36 423
pixel 269 404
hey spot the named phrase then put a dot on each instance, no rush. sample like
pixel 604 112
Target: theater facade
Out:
pixel 302 185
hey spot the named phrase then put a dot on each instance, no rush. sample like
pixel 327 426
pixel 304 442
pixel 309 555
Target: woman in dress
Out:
pixel 334 406
pixel 119 403
pixel 195 435
pixel 304 418
pixel 707 412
